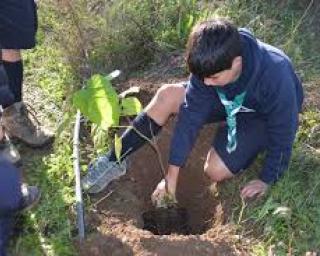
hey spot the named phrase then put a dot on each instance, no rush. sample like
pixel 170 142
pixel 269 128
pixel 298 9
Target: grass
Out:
pixel 47 229
pixel 288 216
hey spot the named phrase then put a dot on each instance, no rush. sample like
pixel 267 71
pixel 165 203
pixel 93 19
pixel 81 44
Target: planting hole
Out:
pixel 166 221
pixel 197 205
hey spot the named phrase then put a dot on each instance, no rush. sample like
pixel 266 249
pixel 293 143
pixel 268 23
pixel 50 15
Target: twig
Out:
pixel 145 35
pixel 101 199
pixel 298 24
pixel 76 23
pixel 243 206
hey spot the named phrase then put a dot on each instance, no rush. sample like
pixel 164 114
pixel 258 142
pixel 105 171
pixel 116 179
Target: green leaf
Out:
pixel 190 21
pixel 117 146
pixel 130 106
pixel 99 102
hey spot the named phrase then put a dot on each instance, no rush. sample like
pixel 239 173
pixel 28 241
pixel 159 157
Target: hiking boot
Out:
pixel 101 172
pixel 30 197
pixel 22 124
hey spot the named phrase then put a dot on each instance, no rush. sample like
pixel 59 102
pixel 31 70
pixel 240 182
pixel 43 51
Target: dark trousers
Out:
pixel 18 27
pixel 10 200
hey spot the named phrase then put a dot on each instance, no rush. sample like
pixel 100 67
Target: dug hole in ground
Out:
pixel 116 224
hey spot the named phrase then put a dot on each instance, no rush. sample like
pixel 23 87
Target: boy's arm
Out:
pixel 160 191
pixel 281 109
pixel 192 116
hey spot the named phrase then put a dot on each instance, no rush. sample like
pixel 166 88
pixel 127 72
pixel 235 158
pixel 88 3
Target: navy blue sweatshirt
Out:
pixel 273 91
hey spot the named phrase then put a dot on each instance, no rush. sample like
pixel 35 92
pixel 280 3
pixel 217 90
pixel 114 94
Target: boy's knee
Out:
pixel 215 174
pixel 11 55
pixel 215 168
pixel 170 96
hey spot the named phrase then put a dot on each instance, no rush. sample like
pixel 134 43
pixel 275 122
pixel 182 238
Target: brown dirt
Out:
pixel 116 221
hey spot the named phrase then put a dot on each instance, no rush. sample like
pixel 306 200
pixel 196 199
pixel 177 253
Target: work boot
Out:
pixel 101 172
pixel 30 197
pixel 22 124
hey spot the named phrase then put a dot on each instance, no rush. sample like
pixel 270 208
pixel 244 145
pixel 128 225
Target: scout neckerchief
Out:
pixel 232 108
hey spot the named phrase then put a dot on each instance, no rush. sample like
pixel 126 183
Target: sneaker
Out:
pixel 101 172
pixel 22 124
pixel 30 197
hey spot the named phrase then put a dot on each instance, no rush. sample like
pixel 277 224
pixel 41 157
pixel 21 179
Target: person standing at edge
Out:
pixel 235 78
pixel 18 25
pixel 14 197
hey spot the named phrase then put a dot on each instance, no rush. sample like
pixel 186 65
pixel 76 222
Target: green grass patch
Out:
pixel 47 229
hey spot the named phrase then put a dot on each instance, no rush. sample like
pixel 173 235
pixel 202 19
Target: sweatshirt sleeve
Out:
pixel 193 114
pixel 281 111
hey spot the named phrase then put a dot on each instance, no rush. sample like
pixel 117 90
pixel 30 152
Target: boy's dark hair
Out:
pixel 212 46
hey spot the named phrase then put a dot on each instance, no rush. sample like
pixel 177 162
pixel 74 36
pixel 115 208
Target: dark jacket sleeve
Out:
pixel 281 110
pixel 193 114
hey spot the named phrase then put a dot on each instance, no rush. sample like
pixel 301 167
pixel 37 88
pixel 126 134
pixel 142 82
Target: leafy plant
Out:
pixel 101 104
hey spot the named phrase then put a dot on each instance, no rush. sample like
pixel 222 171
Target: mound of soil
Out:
pixel 116 218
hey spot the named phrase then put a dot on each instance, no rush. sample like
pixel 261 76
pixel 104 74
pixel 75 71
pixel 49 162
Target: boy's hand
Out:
pixel 254 188
pixel 163 198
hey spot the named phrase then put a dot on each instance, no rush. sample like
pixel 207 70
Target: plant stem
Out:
pixel 155 147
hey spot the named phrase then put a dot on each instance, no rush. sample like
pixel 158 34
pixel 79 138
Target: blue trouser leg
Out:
pixel 10 199
pixel 6 224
